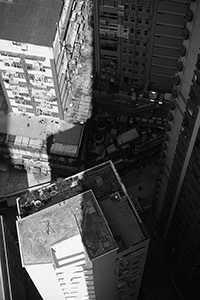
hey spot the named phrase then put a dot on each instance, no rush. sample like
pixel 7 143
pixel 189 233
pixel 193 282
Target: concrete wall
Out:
pixel 192 45
pixel 46 281
pixel 104 276
pixel 28 88
pixel 168 38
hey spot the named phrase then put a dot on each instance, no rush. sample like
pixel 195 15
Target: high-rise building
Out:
pixel 123 30
pixel 170 31
pixel 46 73
pixel 138 42
pixel 12 279
pixel 81 237
pixel 46 58
pixel 176 197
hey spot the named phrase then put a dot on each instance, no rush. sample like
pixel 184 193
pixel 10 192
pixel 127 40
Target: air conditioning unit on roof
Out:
pixel 24 47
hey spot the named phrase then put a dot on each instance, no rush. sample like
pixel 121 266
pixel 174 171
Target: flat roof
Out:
pixel 32 21
pixel 80 214
pixel 122 221
pixel 37 127
pixel 109 191
pixel 127 136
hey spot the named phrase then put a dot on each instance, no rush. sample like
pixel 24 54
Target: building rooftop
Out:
pixel 122 221
pixel 109 192
pixel 32 21
pixel 80 214
pixel 39 129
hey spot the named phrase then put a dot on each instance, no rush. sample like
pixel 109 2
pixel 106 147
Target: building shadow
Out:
pixel 13 183
pixel 66 150
pixel 13 177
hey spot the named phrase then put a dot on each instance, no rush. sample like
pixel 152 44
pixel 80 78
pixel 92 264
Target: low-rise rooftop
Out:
pixel 80 214
pixel 39 127
pixel 33 131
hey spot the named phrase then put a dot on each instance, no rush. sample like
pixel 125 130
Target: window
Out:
pixel 29 110
pixel 16 44
pixel 198 62
pixel 196 79
pixel 126 79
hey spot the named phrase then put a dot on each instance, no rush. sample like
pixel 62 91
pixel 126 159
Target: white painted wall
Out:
pixel 46 281
pixel 31 49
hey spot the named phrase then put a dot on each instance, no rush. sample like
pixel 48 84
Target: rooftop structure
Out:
pixel 94 206
pixel 127 136
pixel 78 215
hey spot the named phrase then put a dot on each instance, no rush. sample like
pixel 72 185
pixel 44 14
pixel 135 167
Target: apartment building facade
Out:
pixel 139 43
pixel 176 197
pixel 123 40
pixel 89 242
pixel 170 34
pixel 123 29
